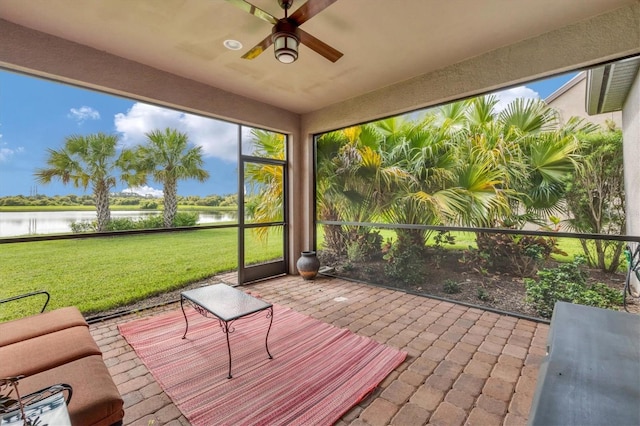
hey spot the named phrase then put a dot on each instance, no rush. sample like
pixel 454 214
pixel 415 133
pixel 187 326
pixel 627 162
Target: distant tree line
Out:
pixel 229 200
pixel 44 200
pixel 118 199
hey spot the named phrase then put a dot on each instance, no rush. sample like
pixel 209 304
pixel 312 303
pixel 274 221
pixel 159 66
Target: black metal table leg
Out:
pixel 266 340
pixel 225 329
pixel 185 317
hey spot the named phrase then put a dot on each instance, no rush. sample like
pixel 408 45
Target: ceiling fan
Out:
pixel 286 34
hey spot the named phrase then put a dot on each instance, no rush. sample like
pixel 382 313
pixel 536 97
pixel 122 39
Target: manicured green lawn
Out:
pixel 465 240
pixel 96 274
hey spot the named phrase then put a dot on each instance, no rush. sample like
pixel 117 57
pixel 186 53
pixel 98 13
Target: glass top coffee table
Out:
pixel 227 305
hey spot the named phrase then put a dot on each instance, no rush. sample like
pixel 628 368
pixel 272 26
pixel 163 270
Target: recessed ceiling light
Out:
pixel 232 44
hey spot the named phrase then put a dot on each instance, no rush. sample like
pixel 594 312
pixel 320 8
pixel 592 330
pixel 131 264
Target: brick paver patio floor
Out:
pixel 465 366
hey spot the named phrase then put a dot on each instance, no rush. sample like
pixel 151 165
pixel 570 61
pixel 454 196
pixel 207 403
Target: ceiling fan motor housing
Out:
pixel 285 4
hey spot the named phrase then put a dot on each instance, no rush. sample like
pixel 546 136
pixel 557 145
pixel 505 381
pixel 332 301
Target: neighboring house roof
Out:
pixel 608 86
pixel 568 85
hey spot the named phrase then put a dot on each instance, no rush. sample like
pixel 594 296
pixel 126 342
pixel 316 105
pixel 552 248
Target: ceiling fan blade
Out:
pixel 255 11
pixel 319 47
pixel 309 10
pixel 258 48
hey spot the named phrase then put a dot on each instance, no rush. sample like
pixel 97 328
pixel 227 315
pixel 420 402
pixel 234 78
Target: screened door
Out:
pixel 262 218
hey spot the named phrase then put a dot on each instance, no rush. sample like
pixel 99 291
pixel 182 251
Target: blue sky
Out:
pixel 37 114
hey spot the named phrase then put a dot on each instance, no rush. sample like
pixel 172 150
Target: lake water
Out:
pixel 13 224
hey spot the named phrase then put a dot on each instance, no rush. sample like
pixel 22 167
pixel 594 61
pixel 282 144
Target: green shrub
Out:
pixel 149 205
pixel 568 283
pixel 151 221
pixel 439 240
pixel 483 294
pixel 146 222
pixel 186 219
pixel 600 295
pixel 451 287
pixel 121 224
pixel 356 252
pixel 521 254
pixel 443 237
pixel 404 264
pixel 364 246
pixel 84 226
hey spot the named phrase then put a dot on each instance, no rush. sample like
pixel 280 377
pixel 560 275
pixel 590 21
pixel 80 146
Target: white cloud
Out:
pixel 6 153
pixel 144 191
pixel 83 114
pixel 217 138
pixel 505 97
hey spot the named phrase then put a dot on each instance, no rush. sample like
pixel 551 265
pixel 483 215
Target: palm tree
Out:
pixel 534 154
pixel 451 181
pixel 533 151
pixel 167 158
pixel 421 149
pixel 266 180
pixel 406 172
pixel 83 161
pixel 328 190
pixel 355 184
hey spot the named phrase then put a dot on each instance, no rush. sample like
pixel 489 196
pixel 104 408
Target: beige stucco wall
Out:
pixel 599 39
pixel 40 54
pixel 602 38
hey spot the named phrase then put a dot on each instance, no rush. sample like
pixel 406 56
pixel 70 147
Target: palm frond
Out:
pixel 528 116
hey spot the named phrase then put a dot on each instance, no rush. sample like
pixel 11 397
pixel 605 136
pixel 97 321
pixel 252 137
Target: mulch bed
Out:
pixel 498 290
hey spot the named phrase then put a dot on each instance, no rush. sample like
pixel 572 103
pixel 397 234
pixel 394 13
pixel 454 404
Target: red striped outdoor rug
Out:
pixel 318 372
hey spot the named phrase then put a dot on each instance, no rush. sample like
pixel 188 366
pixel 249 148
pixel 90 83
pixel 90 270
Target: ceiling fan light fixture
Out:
pixel 285 42
pixel 286 48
